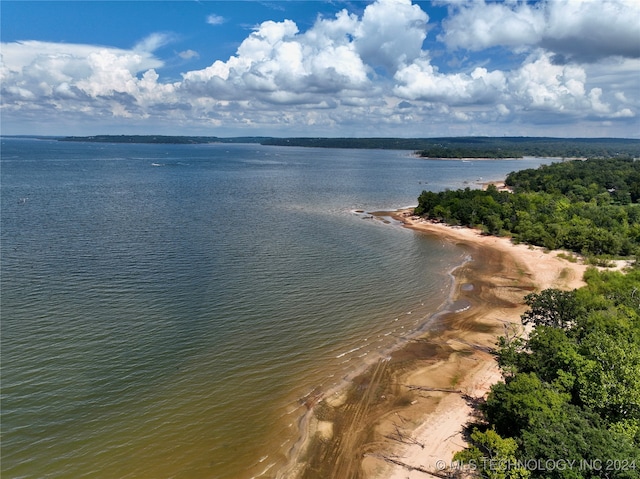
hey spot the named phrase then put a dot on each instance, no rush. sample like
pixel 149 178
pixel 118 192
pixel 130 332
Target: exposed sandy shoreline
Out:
pixel 522 268
pixel 407 412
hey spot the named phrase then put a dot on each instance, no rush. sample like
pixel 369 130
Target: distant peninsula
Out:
pixel 162 139
pixel 445 147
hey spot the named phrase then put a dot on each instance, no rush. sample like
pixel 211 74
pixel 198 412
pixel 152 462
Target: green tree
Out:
pixel 521 403
pixel 552 307
pixel 609 381
pixel 575 437
pixel 492 457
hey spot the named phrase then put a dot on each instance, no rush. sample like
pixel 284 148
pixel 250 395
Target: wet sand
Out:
pixel 406 414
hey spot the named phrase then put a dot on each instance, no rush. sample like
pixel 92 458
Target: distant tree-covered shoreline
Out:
pixel 481 147
pixel 453 147
pixel 589 207
pixel 160 139
pixel 517 147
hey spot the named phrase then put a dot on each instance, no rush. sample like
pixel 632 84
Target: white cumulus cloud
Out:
pixel 391 33
pixel 354 74
pixel 278 63
pixel 422 81
pixel 44 75
pixel 479 25
pixel 538 84
pixel 18 55
pixel 586 30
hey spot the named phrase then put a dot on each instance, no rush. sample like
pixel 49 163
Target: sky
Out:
pixel 383 68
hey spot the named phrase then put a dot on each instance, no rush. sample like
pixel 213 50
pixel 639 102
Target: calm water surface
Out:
pixel 166 307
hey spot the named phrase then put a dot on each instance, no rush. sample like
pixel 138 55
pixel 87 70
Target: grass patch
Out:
pixel 600 261
pixel 569 257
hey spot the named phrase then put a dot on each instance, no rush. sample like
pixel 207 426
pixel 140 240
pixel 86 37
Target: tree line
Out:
pixel 517 147
pixel 446 147
pixel 160 139
pixel 480 147
pixel 589 207
pixel 569 406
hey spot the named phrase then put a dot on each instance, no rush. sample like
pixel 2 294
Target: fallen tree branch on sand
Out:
pixel 397 462
pixel 403 438
pixel 425 388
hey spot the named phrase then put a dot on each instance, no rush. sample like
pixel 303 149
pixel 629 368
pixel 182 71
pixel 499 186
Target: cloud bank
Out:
pixel 575 74
pixel 585 30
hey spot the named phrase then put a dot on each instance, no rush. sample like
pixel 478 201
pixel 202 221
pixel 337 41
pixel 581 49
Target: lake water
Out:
pixel 167 308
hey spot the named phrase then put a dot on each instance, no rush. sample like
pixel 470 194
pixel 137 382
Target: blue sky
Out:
pixel 316 68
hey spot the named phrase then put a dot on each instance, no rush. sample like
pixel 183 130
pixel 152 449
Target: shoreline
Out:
pixel 497 303
pixel 406 412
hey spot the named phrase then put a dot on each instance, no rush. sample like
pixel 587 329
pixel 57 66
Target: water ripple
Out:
pixel 166 322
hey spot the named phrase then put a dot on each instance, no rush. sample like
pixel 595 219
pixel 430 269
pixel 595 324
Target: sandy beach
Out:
pixel 406 414
pixel 499 286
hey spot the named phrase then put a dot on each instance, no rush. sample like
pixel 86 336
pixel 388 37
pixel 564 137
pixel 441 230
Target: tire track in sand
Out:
pixel 346 453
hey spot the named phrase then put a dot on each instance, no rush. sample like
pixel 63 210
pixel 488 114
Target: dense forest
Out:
pixel 569 406
pixel 453 147
pixel 517 147
pixel 589 207
pixel 481 147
